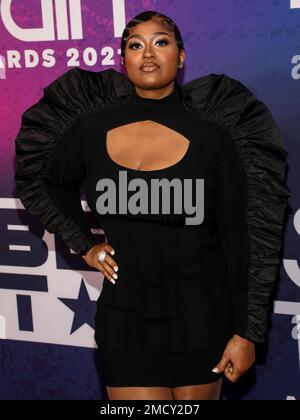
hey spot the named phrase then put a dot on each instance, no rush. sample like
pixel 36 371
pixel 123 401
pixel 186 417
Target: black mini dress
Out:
pixel 181 292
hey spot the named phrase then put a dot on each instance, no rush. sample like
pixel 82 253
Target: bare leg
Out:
pixel 139 393
pixel 198 392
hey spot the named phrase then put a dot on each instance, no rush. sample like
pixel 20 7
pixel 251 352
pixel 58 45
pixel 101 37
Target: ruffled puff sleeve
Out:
pixel 50 171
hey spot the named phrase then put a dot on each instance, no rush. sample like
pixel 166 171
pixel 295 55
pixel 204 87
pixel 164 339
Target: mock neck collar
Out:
pixel 169 104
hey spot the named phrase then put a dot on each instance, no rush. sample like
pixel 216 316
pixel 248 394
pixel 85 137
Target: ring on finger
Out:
pixel 102 255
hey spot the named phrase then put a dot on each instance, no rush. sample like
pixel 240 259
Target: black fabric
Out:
pixel 232 201
pixel 193 296
pixel 217 98
pixel 259 143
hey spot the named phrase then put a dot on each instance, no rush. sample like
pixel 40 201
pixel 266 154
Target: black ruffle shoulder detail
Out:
pixel 258 140
pixel 66 99
pixel 215 97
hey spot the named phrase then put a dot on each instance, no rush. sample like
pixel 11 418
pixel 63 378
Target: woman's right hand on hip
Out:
pixel 108 267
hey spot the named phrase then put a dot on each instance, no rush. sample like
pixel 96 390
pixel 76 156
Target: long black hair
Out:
pixel 144 17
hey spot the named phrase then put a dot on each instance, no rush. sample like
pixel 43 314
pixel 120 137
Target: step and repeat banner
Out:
pixel 47 292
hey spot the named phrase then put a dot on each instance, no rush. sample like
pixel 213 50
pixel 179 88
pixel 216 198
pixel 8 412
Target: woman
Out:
pixel 176 313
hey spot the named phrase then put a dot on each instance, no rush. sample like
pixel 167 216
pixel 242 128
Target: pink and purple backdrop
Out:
pixel 46 347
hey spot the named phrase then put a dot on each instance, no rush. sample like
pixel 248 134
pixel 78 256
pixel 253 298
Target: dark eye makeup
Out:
pixel 132 44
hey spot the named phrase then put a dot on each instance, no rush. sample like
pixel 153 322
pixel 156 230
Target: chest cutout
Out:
pixel 145 145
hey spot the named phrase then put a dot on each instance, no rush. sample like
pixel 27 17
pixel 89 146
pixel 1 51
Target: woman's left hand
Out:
pixel 238 357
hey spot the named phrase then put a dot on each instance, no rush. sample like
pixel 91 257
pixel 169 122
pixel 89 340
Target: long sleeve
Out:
pixel 63 181
pixel 257 138
pixel 49 170
pixel 48 180
pixel 232 226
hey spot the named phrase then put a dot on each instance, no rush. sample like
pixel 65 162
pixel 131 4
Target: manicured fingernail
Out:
pixel 113 281
pixel 216 370
pixel 112 252
pixel 116 268
pixel 115 276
